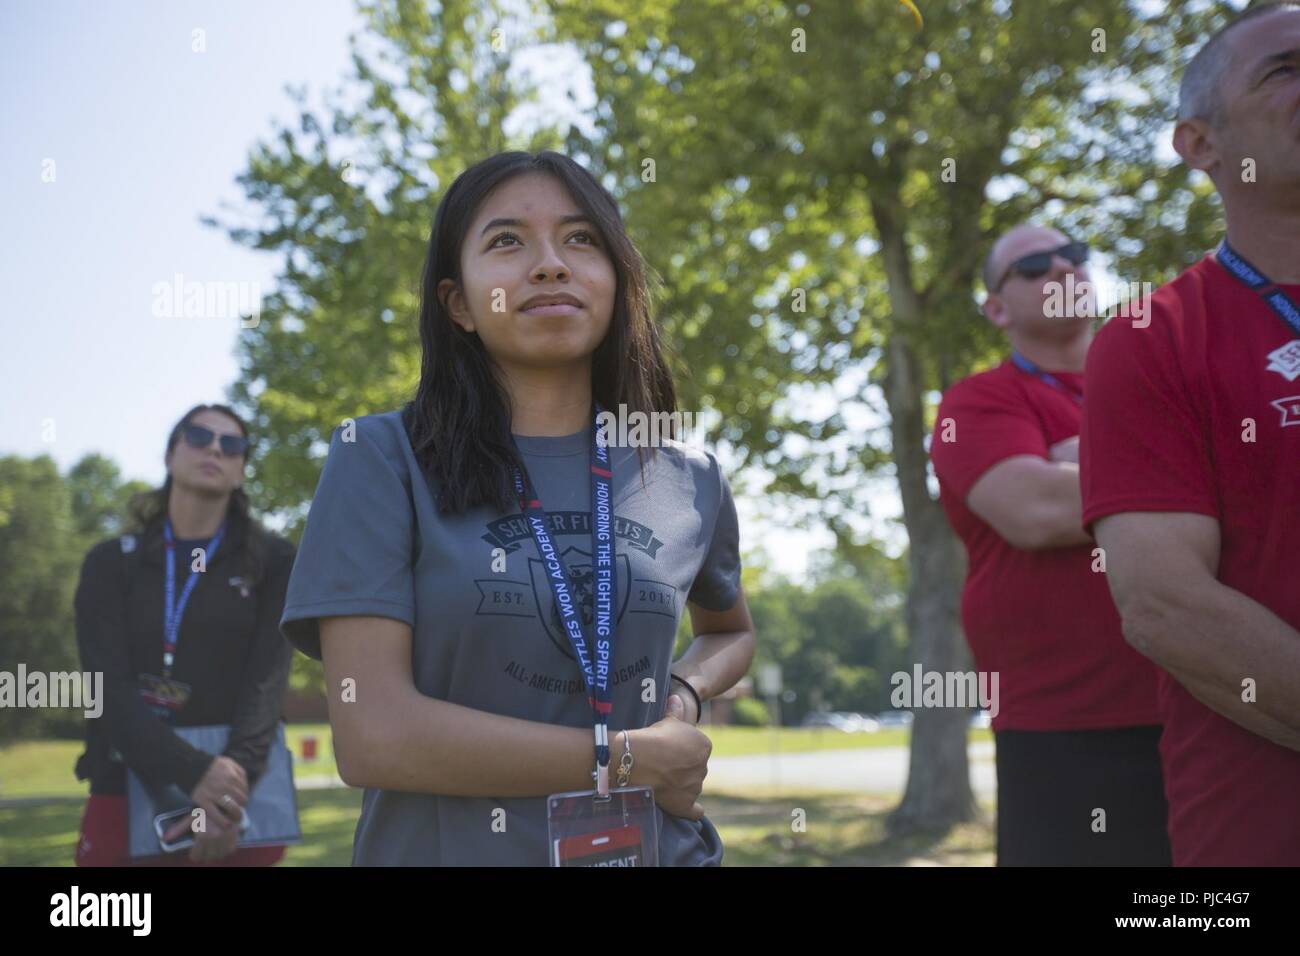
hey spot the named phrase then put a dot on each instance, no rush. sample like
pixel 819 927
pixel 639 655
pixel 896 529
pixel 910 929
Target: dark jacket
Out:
pixel 229 650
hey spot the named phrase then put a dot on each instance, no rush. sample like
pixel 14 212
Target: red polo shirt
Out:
pixel 1170 409
pixel 1044 620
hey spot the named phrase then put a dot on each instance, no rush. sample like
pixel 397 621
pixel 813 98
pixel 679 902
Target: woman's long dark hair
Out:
pixel 149 508
pixel 459 420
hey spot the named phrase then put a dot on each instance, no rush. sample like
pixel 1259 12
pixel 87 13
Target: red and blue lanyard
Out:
pixel 1253 279
pixel 595 670
pixel 173 608
pixel 1047 378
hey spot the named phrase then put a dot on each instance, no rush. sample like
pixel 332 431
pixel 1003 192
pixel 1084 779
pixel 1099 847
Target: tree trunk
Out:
pixel 938 792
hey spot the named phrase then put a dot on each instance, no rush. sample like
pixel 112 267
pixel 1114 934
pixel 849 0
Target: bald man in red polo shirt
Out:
pixel 1078 768
pixel 1191 464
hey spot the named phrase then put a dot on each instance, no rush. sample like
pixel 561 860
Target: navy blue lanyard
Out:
pixel 1048 378
pixel 173 609
pixel 1252 278
pixel 595 673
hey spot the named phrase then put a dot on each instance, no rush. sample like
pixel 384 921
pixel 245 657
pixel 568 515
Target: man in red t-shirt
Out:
pixel 1078 767
pixel 1191 442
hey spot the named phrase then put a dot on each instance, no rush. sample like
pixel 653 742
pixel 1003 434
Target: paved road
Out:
pixel 868 770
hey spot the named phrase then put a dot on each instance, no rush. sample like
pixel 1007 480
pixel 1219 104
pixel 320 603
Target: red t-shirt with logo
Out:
pixel 1043 619
pixel 1164 430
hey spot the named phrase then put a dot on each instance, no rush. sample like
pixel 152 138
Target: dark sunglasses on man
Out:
pixel 196 436
pixel 1038 264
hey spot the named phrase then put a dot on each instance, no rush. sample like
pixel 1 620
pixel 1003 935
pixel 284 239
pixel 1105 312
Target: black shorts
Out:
pixel 1051 785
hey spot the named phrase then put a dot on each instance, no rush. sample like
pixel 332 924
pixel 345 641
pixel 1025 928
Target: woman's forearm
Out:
pixel 390 736
pixel 714 663
pixel 424 745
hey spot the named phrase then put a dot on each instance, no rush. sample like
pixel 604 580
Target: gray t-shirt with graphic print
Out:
pixel 375 544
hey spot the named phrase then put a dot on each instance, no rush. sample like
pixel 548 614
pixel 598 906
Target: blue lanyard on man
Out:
pixel 1047 378
pixel 595 672
pixel 1252 278
pixel 173 609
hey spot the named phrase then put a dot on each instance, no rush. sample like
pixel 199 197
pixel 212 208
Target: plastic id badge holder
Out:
pixel 585 829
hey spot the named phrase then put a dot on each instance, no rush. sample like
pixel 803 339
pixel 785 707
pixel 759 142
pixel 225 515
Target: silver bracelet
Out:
pixel 625 762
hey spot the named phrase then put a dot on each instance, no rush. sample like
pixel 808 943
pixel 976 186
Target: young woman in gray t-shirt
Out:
pixel 455 693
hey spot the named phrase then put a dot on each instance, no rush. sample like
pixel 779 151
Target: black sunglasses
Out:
pixel 1038 264
pixel 196 436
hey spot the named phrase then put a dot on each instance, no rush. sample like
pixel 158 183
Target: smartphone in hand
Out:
pixel 165 822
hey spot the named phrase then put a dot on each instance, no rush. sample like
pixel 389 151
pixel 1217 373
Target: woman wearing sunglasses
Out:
pixel 197 646
pixel 466 554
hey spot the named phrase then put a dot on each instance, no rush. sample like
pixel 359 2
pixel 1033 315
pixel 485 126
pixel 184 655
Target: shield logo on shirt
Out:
pixel 583 579
pixel 1286 362
pixel 1290 409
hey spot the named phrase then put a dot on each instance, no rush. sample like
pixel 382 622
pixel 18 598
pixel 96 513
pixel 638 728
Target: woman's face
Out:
pixel 537 285
pixel 207 470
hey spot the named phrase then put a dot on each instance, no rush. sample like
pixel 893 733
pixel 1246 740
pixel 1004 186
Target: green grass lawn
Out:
pixel 756 829
pixel 40 768
pixel 46 834
pixel 44 767
pixel 840 830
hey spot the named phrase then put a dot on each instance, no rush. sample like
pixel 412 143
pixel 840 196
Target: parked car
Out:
pixel 843 721
pixel 865 723
pixel 895 718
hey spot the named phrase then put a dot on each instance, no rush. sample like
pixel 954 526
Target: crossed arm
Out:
pixel 1161 568
pixel 1033 503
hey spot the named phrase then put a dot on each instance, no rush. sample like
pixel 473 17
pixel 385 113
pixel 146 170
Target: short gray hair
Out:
pixel 1200 95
